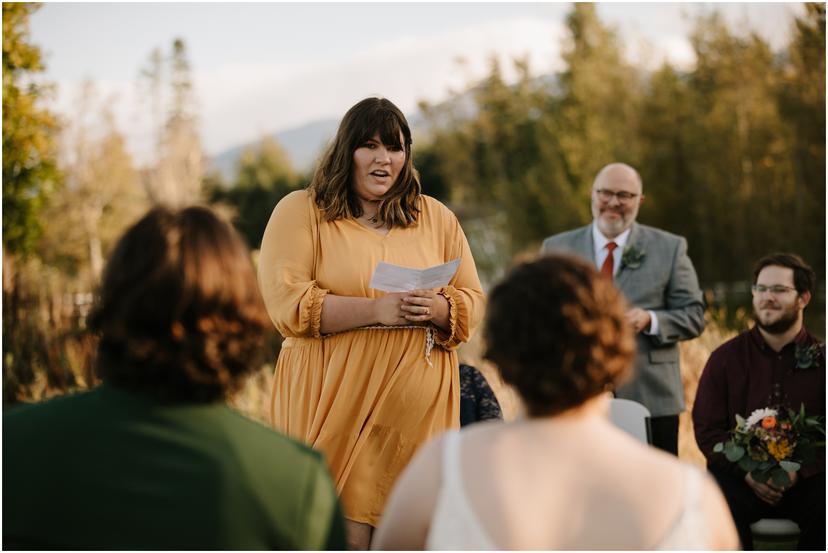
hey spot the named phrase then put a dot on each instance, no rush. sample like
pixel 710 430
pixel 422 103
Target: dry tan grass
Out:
pixel 254 398
pixel 693 356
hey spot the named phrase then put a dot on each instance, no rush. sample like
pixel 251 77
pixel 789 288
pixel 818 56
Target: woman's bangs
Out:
pixel 390 131
pixel 387 126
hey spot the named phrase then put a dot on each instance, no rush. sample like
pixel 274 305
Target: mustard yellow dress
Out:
pixel 366 398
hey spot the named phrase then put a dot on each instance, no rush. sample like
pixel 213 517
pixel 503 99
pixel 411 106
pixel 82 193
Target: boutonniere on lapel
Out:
pixel 807 356
pixel 632 257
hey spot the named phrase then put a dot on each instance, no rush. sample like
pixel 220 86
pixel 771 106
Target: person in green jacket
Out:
pixel 153 458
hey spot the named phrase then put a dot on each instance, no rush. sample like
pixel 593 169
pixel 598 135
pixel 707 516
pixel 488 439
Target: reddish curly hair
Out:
pixel 179 311
pixel 557 332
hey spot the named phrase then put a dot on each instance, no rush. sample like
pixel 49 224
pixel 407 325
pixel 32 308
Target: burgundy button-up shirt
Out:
pixel 745 374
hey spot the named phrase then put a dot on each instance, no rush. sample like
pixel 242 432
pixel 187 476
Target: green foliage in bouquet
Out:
pixel 773 442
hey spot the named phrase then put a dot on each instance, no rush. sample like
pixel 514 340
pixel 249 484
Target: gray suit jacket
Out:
pixel 666 283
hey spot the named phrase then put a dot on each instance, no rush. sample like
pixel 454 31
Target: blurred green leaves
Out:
pixel 731 151
pixel 263 177
pixel 29 169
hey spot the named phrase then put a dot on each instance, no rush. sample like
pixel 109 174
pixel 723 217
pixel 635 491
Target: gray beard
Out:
pixel 611 230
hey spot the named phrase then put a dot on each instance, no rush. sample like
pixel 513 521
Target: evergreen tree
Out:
pixel 263 177
pixel 597 108
pixel 176 178
pixel 802 103
pixel 29 171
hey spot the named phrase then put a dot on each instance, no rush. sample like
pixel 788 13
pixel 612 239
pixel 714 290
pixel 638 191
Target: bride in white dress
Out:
pixel 562 477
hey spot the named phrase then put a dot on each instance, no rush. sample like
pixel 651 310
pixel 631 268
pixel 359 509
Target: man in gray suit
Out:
pixel 651 268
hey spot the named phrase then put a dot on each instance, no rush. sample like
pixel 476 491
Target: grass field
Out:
pixel 254 398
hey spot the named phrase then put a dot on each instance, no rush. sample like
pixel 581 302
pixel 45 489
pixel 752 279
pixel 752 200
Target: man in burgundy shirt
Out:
pixel 757 369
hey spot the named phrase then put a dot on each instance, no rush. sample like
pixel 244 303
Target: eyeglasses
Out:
pixel 776 289
pixel 608 195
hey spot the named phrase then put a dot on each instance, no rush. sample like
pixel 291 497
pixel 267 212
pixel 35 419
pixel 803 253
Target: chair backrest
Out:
pixel 631 417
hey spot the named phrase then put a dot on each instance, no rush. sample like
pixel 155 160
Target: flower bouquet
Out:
pixel 773 442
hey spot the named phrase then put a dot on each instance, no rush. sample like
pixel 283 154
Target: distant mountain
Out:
pixel 303 145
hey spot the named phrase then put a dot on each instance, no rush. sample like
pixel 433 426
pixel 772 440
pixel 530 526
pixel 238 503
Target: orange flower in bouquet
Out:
pixel 773 442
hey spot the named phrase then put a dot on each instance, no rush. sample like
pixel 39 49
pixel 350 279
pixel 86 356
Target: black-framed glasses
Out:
pixel 608 195
pixel 776 289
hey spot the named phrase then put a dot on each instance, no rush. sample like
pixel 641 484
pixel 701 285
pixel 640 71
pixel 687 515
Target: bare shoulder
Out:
pixel 638 466
pixel 659 464
pixel 662 474
pixel 718 520
pixel 711 505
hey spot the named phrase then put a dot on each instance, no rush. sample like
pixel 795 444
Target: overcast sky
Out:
pixel 266 67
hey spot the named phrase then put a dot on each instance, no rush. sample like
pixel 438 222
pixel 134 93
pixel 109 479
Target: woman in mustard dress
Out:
pixel 366 376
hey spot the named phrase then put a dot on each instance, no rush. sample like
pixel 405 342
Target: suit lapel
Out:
pixel 634 241
pixel 585 245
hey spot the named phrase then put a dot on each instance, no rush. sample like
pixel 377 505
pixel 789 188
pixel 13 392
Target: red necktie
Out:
pixel 609 262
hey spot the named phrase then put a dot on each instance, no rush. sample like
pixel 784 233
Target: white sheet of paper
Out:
pixel 393 278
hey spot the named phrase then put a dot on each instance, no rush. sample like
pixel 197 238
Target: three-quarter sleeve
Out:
pixel 464 293
pixel 286 267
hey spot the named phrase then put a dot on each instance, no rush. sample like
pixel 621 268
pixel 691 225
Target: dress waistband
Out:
pixel 429 336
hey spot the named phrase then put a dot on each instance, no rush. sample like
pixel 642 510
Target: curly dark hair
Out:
pixel 557 332
pixel 804 276
pixel 331 183
pixel 179 311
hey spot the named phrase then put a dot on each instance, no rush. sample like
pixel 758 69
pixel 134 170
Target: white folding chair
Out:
pixel 631 417
pixel 775 533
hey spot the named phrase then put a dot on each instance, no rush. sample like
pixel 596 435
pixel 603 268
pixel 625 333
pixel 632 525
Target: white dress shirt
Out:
pixel 599 241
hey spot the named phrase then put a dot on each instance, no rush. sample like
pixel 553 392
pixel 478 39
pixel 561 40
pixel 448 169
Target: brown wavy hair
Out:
pixel 179 311
pixel 332 184
pixel 557 332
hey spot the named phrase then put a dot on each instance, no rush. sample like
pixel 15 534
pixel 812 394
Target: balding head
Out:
pixel 617 172
pixel 613 213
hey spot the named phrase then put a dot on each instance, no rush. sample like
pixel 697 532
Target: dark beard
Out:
pixel 779 327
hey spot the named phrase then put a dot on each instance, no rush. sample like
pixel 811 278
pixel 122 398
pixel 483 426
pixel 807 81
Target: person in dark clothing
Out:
pixel 477 400
pixel 760 368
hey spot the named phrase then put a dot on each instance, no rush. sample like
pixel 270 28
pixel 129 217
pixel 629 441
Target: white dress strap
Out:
pixel 451 458
pixel 454 525
pixel 690 531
